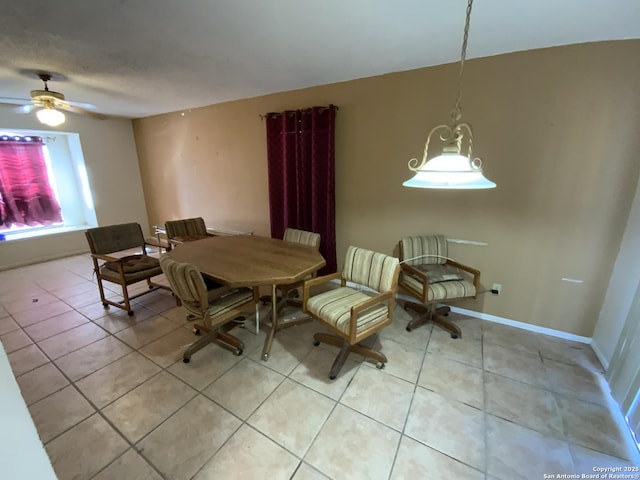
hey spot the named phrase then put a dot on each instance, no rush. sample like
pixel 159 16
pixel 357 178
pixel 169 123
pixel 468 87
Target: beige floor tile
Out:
pixel 26 359
pixel 313 372
pixel 286 353
pixel 177 315
pixel 511 337
pixel 403 361
pixel 129 466
pixel 15 340
pixel 35 299
pixel 54 325
pixel 59 412
pixel 85 449
pixel 577 381
pixel 251 341
pixel 244 387
pixel 369 386
pixel 292 416
pixel 307 472
pixel 450 427
pixel 118 378
pixel 146 332
pixel 523 404
pixel 114 319
pixel 82 299
pixel 397 331
pixel 452 379
pixel 69 291
pixel 71 340
pixel 180 446
pixel 205 366
pixel 40 382
pixel 41 312
pixel 168 349
pixel 93 357
pixel 516 452
pixel 249 454
pixel 415 460
pixel 514 364
pixel 593 426
pixel 585 460
pixel 466 349
pixel 344 446
pixel 568 351
pixel 138 412
pixel 8 324
pixel 158 301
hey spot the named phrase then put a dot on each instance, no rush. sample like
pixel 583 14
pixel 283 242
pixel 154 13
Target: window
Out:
pixel 54 196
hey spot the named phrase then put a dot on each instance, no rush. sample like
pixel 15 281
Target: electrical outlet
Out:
pixel 496 289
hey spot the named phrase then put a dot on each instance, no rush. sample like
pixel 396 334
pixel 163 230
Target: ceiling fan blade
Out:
pixel 25 108
pixel 15 101
pixel 82 111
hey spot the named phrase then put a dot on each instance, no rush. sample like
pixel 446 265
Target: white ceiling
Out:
pixel 136 58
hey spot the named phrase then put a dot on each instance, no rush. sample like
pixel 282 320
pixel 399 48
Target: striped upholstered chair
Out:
pixel 185 230
pixel 213 307
pixel 353 314
pixel 431 277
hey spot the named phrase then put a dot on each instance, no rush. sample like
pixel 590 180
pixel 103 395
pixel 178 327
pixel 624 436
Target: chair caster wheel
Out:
pixel 238 352
pixel 196 332
pixel 332 377
pixel 130 313
pixel 105 305
pixel 380 365
pixel 316 343
pixel 408 328
pixel 454 335
pixel 186 359
pixel 265 356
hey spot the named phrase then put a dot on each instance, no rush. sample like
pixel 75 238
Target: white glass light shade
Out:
pixel 50 116
pixel 450 170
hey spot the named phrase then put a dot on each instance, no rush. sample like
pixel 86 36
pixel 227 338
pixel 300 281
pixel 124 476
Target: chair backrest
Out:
pixel 424 250
pixel 185 227
pixel 115 238
pixel 371 269
pixel 186 282
pixel 302 237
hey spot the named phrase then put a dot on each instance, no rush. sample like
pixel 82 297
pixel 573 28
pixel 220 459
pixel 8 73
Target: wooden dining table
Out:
pixel 250 261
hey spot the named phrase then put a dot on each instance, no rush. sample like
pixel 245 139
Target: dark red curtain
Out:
pixel 301 159
pixel 26 196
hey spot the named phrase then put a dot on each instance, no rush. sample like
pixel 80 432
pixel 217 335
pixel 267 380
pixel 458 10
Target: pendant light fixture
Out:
pixel 451 169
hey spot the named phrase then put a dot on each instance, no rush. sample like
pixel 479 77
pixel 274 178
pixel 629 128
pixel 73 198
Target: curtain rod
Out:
pixel 263 116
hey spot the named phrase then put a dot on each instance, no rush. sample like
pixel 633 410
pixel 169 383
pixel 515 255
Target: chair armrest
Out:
pixel 420 277
pixel 473 271
pixel 106 258
pixel 317 281
pixel 356 310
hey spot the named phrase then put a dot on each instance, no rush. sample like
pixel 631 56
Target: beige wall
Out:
pixel 114 176
pixel 557 129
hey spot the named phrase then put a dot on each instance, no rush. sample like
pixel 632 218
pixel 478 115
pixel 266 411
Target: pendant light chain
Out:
pixel 456 113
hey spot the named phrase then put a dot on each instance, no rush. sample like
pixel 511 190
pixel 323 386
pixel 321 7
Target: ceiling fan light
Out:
pixel 50 116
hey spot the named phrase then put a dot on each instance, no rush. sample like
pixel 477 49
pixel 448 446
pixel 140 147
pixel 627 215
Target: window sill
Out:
pixel 45 232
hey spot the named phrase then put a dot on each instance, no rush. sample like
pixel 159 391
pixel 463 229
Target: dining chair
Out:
pixel 214 309
pixel 122 250
pixel 355 312
pixel 431 277
pixel 185 230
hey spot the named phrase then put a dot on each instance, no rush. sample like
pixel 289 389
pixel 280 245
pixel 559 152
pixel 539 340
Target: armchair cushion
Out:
pixel 334 306
pixel 133 263
pixel 437 273
pixel 441 290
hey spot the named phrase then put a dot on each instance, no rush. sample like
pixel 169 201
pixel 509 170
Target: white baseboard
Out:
pixel 603 360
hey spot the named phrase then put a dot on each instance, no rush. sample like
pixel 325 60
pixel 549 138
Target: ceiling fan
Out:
pixel 50 104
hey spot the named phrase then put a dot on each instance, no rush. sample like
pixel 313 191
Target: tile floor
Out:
pixel 111 398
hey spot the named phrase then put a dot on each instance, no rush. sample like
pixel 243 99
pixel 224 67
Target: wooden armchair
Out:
pixel 351 313
pixel 430 276
pixel 122 250
pixel 214 308
pixel 185 230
